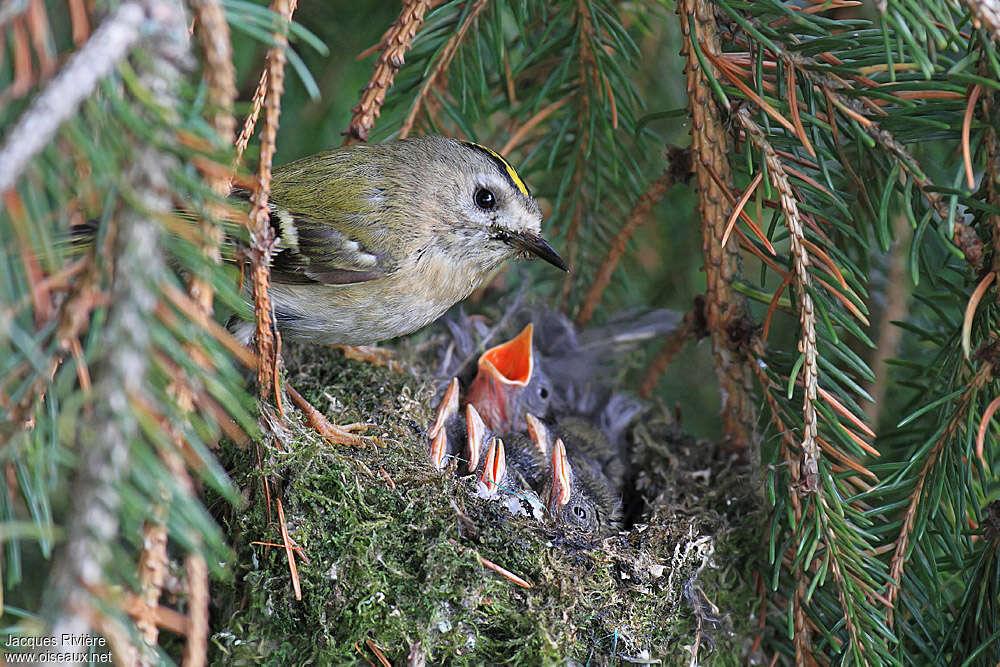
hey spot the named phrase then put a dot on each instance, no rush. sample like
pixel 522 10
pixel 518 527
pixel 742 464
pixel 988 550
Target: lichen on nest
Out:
pixel 391 549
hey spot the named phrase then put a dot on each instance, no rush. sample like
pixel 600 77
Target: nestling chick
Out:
pixel 376 241
pixel 578 499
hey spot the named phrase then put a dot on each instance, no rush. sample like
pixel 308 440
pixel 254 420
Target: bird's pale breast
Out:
pixel 364 313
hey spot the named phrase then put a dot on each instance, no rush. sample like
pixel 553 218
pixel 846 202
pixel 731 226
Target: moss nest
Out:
pixel 391 549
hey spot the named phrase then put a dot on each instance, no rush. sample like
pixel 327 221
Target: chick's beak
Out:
pixel 504 371
pixel 495 466
pixel 561 476
pixel 537 246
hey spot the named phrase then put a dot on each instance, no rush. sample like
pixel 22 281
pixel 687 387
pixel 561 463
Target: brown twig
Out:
pixel 724 307
pixel 740 205
pixel 79 20
pixel 261 233
pixel 444 61
pixel 152 572
pixel 259 95
pixel 293 570
pixel 394 45
pixel 377 650
pixel 671 346
pixel 984 424
pixel 531 123
pixel 970 108
pixel 196 646
pixel 504 572
pixel 41 37
pixel 970 311
pixel 616 250
pixel 213 35
pixel 163 617
pixel 250 122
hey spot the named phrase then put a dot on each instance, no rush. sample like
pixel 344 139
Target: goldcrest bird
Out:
pixel 376 241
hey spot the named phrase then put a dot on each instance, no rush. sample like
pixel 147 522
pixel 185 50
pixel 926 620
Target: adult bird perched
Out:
pixel 376 241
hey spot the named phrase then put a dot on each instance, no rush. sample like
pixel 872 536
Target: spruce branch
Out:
pixel 803 281
pixel 78 285
pixel 105 460
pixel 846 98
pixel 262 238
pixel 802 627
pixel 213 35
pixel 441 65
pixel 62 96
pixel 724 308
pixel 901 551
pixel 393 47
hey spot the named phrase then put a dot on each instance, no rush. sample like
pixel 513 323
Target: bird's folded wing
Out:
pixel 316 250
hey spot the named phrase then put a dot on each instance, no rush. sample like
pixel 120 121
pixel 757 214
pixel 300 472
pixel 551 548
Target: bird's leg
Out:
pixel 379 356
pixel 335 433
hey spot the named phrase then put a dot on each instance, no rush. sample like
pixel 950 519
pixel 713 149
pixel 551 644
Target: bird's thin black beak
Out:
pixel 537 246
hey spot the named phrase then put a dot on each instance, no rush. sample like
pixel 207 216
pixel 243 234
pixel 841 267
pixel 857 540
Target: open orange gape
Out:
pixel 502 369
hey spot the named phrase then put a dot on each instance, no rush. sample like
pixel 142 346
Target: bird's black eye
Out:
pixel 580 512
pixel 485 199
pixel 543 392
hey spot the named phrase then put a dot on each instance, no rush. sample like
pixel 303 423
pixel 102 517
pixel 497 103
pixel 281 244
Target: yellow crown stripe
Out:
pixel 518 183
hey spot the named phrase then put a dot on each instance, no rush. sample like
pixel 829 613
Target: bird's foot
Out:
pixel 338 434
pixel 378 356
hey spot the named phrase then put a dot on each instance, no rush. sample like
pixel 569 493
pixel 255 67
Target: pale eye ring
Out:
pixel 485 199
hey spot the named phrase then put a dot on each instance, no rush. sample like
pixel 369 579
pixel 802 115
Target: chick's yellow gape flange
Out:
pixel 376 241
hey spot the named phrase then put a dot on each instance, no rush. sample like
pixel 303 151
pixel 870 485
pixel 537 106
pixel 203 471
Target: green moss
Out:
pixel 393 551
